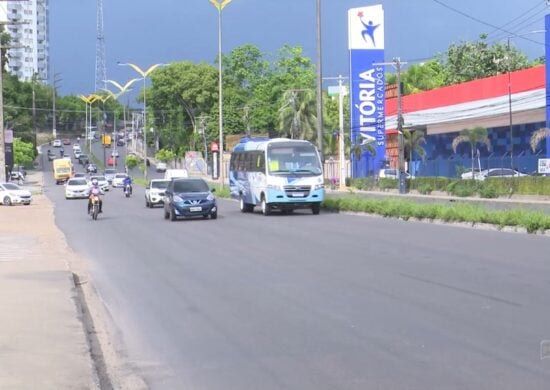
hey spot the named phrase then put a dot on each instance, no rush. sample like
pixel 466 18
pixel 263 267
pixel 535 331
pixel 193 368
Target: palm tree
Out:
pixel 538 136
pixel 473 137
pixel 358 149
pixel 298 115
pixel 413 141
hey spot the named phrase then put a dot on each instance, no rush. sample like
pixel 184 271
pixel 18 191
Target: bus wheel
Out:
pixel 316 208
pixel 266 209
pixel 245 207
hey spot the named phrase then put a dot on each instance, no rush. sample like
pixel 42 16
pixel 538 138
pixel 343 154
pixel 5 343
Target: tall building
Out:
pixel 27 22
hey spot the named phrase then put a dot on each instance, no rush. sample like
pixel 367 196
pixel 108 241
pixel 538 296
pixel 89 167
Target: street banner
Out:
pixel 544 165
pixel 367 81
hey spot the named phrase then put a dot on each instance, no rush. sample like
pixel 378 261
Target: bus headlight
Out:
pixel 275 187
pixel 319 186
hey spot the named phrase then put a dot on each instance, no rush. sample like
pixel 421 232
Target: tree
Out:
pixel 131 162
pixel 537 137
pixel 413 141
pixel 297 117
pixel 165 155
pixel 473 137
pixel 465 61
pixel 23 152
pixel 421 77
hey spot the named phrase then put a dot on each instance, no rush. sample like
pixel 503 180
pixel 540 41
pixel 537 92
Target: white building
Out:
pixel 27 22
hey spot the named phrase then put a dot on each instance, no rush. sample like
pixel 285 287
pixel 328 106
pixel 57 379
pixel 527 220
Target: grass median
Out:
pixel 399 208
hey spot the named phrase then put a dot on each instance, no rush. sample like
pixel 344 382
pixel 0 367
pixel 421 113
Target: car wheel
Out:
pixel 245 207
pixel 147 203
pixel 166 214
pixel 266 209
pixel 214 215
pixel 7 201
pixel 316 208
pixel 173 215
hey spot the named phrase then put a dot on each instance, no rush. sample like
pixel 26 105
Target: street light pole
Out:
pixel 220 5
pixel 319 83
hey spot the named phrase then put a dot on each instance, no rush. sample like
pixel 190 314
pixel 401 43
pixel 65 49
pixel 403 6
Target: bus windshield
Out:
pixel 297 159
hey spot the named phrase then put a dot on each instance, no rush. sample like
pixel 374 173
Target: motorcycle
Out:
pixel 127 190
pixel 95 207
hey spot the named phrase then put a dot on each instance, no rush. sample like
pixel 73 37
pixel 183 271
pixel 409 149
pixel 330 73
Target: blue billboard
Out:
pixel 547 70
pixel 367 89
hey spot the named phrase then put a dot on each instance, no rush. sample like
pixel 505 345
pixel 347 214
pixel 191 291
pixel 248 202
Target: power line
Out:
pixel 483 22
pixel 511 22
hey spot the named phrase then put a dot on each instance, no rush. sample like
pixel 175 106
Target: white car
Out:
pixel 161 166
pixel 498 173
pixel 154 192
pixel 56 143
pixel 101 182
pixel 76 146
pixel 391 173
pixel 114 153
pixel 118 180
pixel 12 194
pixel 76 188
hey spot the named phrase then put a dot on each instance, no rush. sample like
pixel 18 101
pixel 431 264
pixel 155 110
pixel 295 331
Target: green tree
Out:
pixel 537 137
pixel 413 141
pixel 23 152
pixel 477 135
pixel 465 61
pixel 131 162
pixel 297 117
pixel 165 155
pixel 421 77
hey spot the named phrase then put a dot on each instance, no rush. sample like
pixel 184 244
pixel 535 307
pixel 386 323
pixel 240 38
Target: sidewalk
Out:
pixel 43 343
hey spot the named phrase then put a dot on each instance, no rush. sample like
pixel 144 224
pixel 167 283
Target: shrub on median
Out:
pixel 406 209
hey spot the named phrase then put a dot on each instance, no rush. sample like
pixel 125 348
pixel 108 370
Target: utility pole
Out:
pixel 54 84
pixel 202 127
pixel 319 85
pixel 397 63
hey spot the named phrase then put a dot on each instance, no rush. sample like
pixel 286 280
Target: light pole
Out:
pixel 220 5
pixel 55 81
pixel 510 122
pixel 144 74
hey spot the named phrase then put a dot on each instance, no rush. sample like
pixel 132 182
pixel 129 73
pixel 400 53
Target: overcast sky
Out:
pixel 145 32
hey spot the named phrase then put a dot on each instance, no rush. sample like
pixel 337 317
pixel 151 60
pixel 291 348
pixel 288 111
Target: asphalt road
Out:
pixel 315 302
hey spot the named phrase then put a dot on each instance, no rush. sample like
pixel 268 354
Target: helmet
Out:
pixel 94 182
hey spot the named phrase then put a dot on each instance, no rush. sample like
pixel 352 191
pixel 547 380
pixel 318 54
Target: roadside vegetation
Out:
pixel 406 209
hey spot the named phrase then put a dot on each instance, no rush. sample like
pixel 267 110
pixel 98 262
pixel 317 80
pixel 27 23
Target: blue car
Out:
pixel 189 198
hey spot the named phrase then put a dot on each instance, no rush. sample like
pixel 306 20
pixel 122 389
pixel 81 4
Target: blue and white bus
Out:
pixel 276 174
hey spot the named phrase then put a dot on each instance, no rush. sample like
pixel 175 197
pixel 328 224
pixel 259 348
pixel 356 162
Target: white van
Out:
pixel 175 174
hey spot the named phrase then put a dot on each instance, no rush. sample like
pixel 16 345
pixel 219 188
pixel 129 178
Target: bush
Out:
pixel 425 188
pixel 488 191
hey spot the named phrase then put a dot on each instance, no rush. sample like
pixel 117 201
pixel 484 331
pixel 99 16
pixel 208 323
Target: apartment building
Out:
pixel 27 22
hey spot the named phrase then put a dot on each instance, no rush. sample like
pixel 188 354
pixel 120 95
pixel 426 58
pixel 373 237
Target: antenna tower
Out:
pixel 100 67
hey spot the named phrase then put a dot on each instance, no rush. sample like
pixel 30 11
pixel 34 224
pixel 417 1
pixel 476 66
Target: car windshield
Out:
pixel 190 186
pixel 160 184
pixel 9 186
pixel 120 175
pixel 293 158
pixel 81 182
pixel 99 178
pixel 109 171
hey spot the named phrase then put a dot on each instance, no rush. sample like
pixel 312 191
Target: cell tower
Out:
pixel 100 67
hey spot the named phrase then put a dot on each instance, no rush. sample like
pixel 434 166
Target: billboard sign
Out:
pixel 544 165
pixel 367 80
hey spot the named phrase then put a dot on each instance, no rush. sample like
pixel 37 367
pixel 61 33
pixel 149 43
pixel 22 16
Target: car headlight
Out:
pixel 319 186
pixel 210 197
pixel 177 199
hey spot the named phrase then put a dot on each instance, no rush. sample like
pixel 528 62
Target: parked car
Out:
pixel 154 193
pixel 391 173
pixel 189 198
pixel 11 194
pixel 56 143
pixel 468 173
pixel 77 188
pixel 101 182
pixel 499 173
pixel 161 166
pixel 118 180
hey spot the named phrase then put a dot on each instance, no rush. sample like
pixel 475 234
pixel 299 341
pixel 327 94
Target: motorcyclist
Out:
pixel 127 182
pixel 95 190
